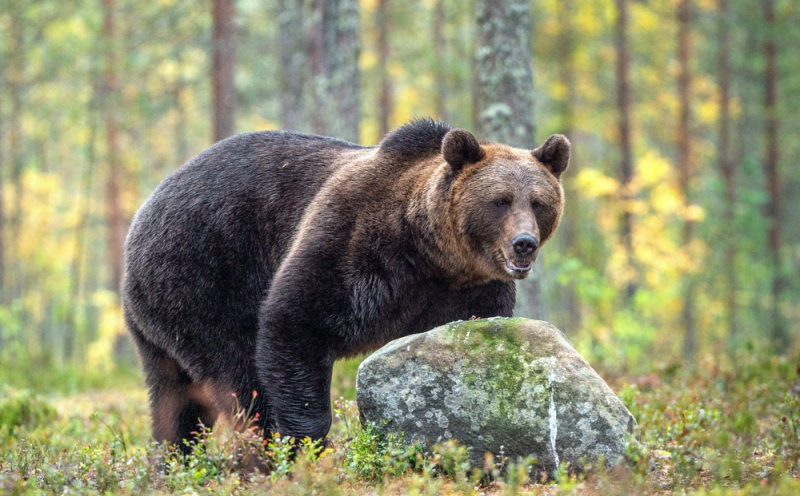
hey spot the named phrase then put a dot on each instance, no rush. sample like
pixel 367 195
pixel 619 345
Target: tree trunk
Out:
pixel 223 48
pixel 569 222
pixel 293 66
pixel 503 69
pixel 504 72
pixel 780 336
pixel 727 166
pixel 15 89
pixel 385 99
pixel 685 169
pixel 181 124
pixel 439 47
pixel 84 207
pixel 334 61
pixel 475 90
pixel 2 210
pixel 626 154
pixel 116 228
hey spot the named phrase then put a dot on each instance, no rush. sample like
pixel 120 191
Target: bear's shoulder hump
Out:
pixel 419 139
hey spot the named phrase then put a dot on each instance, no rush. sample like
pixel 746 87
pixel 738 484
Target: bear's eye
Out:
pixel 536 204
pixel 502 202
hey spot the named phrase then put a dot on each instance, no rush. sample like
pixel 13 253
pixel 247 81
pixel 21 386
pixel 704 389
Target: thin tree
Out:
pixel 181 121
pixel 439 47
pixel 503 69
pixel 385 98
pixel 293 66
pixel 83 208
pixel 16 86
pixel 727 166
pixel 626 154
pixel 334 48
pixel 779 333
pixel 115 222
pixel 2 208
pixel 685 167
pixel 566 68
pixel 223 56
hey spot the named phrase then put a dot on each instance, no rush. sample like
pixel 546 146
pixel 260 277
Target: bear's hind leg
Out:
pixel 178 404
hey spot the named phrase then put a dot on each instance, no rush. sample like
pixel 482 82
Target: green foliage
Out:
pixel 727 426
pixel 43 376
pixel 371 456
pixel 711 429
pixel 21 408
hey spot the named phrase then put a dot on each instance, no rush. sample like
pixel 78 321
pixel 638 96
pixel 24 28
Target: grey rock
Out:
pixel 515 386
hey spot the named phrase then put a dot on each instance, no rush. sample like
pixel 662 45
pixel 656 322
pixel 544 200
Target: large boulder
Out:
pixel 510 386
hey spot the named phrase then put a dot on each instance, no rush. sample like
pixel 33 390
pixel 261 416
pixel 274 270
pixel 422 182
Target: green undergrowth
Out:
pixel 44 377
pixel 701 430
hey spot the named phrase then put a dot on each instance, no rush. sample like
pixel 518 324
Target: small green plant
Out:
pixel 452 459
pixel 280 455
pixel 347 412
pixel 371 455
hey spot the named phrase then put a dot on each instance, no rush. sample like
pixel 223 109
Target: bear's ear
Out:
pixel 460 148
pixel 554 154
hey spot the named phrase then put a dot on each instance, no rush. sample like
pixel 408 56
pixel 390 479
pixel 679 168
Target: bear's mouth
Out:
pixel 518 269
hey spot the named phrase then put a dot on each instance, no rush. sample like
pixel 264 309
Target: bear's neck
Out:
pixel 431 217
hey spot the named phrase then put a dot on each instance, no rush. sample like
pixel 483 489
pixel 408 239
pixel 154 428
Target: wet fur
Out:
pixel 270 255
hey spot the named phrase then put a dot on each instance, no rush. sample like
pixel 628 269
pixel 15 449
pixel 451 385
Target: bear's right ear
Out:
pixel 460 148
pixel 554 154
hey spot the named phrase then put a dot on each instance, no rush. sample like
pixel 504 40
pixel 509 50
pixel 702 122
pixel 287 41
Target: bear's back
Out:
pixel 202 250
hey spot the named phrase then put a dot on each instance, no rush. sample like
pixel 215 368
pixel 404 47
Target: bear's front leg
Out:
pixel 295 368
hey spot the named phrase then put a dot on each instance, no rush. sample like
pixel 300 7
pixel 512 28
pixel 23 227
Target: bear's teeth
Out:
pixel 515 265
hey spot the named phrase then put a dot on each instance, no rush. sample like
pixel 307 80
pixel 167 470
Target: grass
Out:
pixel 705 430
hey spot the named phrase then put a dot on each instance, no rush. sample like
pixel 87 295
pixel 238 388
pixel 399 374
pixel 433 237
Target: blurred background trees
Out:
pixel 680 238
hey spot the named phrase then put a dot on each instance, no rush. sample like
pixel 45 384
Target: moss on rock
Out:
pixel 510 385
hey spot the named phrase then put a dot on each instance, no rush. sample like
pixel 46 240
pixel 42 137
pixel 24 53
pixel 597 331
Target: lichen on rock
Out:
pixel 515 386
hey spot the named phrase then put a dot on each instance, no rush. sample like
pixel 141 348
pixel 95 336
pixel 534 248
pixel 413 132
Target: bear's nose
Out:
pixel 525 244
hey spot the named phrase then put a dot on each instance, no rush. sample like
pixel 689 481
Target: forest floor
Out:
pixel 705 429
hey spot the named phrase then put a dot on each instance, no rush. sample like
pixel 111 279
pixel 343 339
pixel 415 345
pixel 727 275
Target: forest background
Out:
pixel 680 240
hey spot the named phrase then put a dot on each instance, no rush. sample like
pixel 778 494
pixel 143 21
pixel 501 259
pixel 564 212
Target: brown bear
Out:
pixel 258 263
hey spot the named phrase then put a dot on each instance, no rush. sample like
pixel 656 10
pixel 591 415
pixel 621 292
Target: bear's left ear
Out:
pixel 554 154
pixel 460 148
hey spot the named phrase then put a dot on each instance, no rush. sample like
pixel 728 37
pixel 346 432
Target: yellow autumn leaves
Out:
pixel 654 200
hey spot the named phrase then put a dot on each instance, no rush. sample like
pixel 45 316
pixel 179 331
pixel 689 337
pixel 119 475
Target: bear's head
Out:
pixel 505 203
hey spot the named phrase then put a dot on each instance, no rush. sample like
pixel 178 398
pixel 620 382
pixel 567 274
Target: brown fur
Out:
pixel 263 260
pixel 451 204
